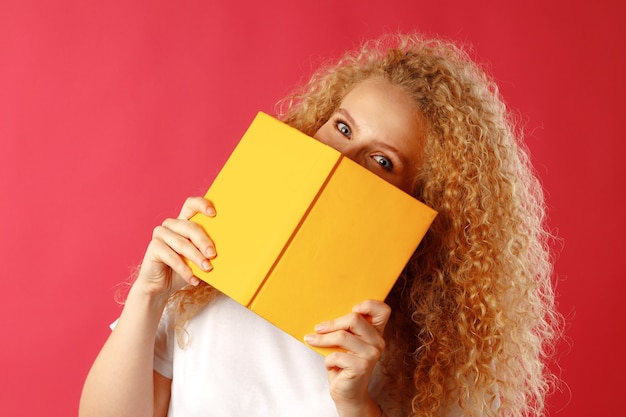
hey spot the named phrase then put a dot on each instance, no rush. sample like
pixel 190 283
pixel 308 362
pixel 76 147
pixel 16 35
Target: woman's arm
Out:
pixel 121 381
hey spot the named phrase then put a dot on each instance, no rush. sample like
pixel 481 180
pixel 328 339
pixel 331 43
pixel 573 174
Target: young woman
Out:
pixel 466 329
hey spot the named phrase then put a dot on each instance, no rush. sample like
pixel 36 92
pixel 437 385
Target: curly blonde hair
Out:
pixel 474 316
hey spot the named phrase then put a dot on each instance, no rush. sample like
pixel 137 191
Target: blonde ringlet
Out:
pixel 474 318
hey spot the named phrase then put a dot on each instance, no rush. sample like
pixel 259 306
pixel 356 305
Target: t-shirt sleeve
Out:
pixel 164 345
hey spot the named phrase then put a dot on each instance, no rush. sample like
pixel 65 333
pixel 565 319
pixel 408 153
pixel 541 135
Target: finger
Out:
pixel 194 233
pixel 161 253
pixel 356 323
pixel 195 205
pixel 351 366
pixel 369 349
pixel 182 247
pixel 350 332
pixel 376 312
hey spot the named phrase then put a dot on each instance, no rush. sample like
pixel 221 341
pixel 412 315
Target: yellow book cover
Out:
pixel 303 233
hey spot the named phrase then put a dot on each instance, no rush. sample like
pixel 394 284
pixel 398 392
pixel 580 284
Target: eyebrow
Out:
pixel 345 114
pixel 401 156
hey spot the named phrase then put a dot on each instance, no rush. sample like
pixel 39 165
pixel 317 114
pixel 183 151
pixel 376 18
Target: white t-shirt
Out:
pixel 237 364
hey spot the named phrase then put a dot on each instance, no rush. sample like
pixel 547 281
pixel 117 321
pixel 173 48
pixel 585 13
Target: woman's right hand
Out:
pixel 163 269
pixel 121 380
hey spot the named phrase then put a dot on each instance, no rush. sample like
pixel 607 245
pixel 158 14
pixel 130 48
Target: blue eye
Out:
pixel 344 129
pixel 384 162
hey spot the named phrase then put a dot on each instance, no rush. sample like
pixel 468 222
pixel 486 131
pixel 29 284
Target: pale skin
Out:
pixel 378 126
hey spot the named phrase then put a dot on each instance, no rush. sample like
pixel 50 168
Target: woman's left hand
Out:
pixel 360 337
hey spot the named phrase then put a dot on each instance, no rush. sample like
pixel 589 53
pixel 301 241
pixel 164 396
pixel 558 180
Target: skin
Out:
pixel 376 125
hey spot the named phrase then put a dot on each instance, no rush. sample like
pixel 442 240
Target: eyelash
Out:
pixel 339 122
pixel 388 167
pixel 338 125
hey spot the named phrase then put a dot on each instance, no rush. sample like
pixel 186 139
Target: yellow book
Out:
pixel 303 233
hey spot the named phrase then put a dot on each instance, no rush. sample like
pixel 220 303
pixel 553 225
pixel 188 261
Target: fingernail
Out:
pixel 194 281
pixel 210 211
pixel 308 338
pixel 206 266
pixel 210 252
pixel 356 308
pixel 321 327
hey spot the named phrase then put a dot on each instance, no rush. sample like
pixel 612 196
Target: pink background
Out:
pixel 111 113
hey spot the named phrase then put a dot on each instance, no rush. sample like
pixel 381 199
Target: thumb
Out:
pixel 376 312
